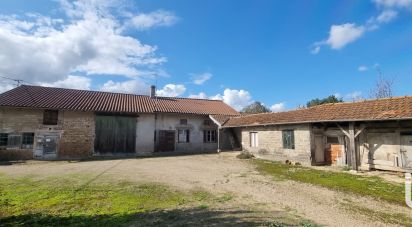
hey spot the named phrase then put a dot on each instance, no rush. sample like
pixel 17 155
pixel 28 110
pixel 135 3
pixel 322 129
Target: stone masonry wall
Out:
pixel 75 127
pixel 270 142
pixel 77 139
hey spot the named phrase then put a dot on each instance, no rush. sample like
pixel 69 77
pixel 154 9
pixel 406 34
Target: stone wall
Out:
pixel 77 139
pixel 270 142
pixel 76 130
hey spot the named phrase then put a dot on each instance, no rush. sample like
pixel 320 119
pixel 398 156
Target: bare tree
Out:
pixel 383 87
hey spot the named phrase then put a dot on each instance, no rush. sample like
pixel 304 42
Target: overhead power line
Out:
pixel 18 81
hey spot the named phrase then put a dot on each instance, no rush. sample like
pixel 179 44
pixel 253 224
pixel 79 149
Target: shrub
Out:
pixel 245 155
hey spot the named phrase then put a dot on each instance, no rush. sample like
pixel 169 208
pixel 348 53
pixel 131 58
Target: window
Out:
pixel 288 137
pixel 183 136
pixel 3 139
pixel 27 141
pixel 208 122
pixel 50 117
pixel 14 141
pixel 332 140
pixel 209 136
pixel 254 140
pixel 183 121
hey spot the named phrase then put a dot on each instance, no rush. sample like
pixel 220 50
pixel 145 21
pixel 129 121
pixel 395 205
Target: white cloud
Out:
pixel 77 82
pixel 278 107
pixel 154 19
pixel 90 41
pixel 315 50
pixel 387 16
pixel 201 95
pixel 5 86
pixel 363 68
pixel 135 86
pixel 342 35
pixel 338 95
pixel 354 96
pixel 394 3
pixel 171 90
pixel 200 79
pixel 235 98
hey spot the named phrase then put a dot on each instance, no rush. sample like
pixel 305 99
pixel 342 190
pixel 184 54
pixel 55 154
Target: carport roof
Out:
pixel 71 99
pixel 397 108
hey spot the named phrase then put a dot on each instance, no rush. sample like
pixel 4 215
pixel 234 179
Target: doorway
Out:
pixel 115 134
pixel 46 146
pixel 406 151
pixel 319 149
pixel 166 140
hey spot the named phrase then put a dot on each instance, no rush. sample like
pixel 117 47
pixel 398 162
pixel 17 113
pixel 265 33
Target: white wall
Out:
pixel 147 124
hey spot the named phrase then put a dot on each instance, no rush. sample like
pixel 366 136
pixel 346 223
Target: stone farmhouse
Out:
pixel 55 123
pixel 371 134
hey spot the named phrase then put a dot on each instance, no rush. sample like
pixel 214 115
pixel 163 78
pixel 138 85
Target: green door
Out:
pixel 115 134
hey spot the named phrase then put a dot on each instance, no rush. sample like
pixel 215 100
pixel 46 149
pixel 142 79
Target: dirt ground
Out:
pixel 223 173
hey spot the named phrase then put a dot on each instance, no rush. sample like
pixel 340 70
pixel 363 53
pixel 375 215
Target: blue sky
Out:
pixel 282 53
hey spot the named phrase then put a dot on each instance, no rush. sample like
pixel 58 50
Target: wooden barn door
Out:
pixel 115 134
pixel 166 140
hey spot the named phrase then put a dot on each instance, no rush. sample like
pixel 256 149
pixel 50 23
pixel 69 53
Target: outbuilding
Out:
pixel 371 134
pixel 56 123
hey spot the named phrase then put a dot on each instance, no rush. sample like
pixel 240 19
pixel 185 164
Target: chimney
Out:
pixel 152 91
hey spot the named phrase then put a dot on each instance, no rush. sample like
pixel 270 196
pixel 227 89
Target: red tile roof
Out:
pixel 71 99
pixel 397 108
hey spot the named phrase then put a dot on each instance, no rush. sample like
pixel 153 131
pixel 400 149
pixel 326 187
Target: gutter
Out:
pixel 321 121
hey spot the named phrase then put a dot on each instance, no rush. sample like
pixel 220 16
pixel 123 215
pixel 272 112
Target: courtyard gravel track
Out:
pixel 224 173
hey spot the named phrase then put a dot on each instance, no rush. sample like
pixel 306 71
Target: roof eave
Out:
pixel 322 121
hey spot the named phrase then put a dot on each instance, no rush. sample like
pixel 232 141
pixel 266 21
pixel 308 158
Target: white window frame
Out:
pixel 208 136
pixel 254 139
pixel 183 136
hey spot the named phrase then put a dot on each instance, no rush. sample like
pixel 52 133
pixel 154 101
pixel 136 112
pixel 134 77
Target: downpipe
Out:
pixel 408 181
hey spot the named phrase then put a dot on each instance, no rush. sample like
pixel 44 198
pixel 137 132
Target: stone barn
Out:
pixel 371 134
pixel 54 123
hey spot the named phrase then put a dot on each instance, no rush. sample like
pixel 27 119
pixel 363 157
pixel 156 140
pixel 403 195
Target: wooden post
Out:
pixel 352 148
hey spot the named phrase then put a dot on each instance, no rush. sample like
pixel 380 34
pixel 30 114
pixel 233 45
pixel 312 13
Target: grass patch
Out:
pixel 391 218
pixel 340 181
pixel 75 201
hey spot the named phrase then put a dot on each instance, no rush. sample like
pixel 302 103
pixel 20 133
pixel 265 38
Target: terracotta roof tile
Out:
pixel 369 110
pixel 61 98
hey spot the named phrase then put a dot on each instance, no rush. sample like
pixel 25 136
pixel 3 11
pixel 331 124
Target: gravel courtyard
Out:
pixel 224 173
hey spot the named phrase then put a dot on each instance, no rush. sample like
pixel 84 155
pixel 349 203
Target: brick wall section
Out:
pixel 271 143
pixel 76 128
pixel 77 139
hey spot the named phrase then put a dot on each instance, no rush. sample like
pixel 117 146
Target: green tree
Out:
pixel 256 107
pixel 329 99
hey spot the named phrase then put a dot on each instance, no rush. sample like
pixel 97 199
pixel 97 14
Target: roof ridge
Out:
pixel 109 92
pixel 326 104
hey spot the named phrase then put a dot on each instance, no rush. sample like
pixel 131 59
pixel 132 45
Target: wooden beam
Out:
pixel 360 130
pixel 343 130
